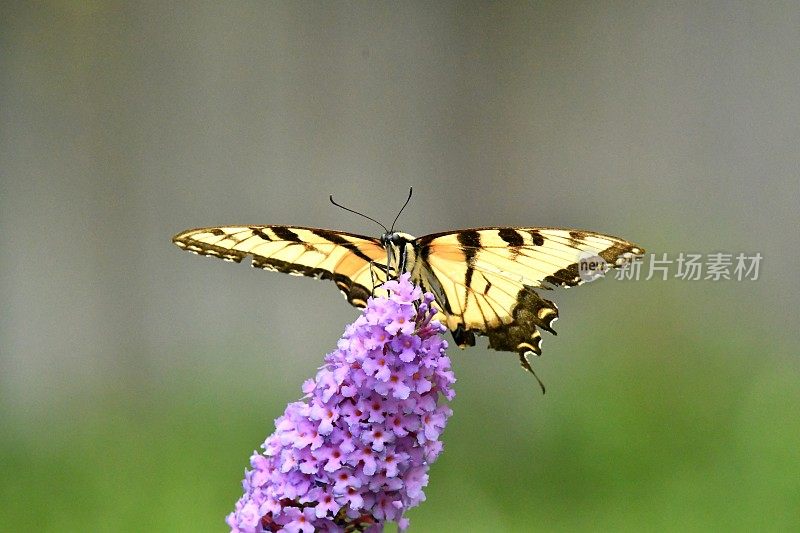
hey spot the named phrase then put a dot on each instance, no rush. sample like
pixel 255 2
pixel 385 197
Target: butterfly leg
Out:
pixel 526 364
pixel 377 275
pixel 388 261
pixel 372 275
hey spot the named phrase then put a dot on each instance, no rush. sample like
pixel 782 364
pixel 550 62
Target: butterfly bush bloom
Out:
pixel 355 452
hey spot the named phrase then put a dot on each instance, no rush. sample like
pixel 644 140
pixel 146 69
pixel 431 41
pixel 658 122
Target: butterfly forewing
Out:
pixel 355 263
pixel 488 276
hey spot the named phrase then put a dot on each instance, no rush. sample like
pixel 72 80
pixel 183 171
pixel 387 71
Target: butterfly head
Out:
pixel 398 251
pixel 395 239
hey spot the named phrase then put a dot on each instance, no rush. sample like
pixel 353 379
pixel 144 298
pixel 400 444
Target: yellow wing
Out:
pixel 354 262
pixel 484 279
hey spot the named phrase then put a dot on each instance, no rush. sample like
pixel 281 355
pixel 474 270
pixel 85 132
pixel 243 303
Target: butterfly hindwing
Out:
pixel 486 279
pixel 354 262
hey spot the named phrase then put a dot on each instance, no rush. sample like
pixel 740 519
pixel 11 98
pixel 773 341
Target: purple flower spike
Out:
pixel 355 453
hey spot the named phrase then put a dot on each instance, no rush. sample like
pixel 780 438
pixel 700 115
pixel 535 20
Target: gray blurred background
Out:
pixel 135 380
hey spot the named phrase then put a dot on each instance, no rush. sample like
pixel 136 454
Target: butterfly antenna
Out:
pixel 359 214
pixel 410 191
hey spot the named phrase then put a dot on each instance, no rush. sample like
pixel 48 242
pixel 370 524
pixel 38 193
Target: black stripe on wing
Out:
pixel 337 238
pixel 470 242
pixel 355 293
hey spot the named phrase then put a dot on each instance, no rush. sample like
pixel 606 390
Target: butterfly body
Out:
pixel 400 251
pixel 485 280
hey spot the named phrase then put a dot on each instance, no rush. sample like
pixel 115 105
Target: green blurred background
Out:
pixel 136 379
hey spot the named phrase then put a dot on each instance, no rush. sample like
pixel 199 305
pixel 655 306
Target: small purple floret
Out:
pixel 355 452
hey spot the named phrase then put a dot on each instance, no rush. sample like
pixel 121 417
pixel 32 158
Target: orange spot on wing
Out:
pixel 349 265
pixel 447 252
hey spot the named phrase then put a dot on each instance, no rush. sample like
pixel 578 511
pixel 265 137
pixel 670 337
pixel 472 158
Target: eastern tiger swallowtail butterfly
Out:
pixel 484 279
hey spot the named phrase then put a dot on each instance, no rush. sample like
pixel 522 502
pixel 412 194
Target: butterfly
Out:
pixel 485 280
